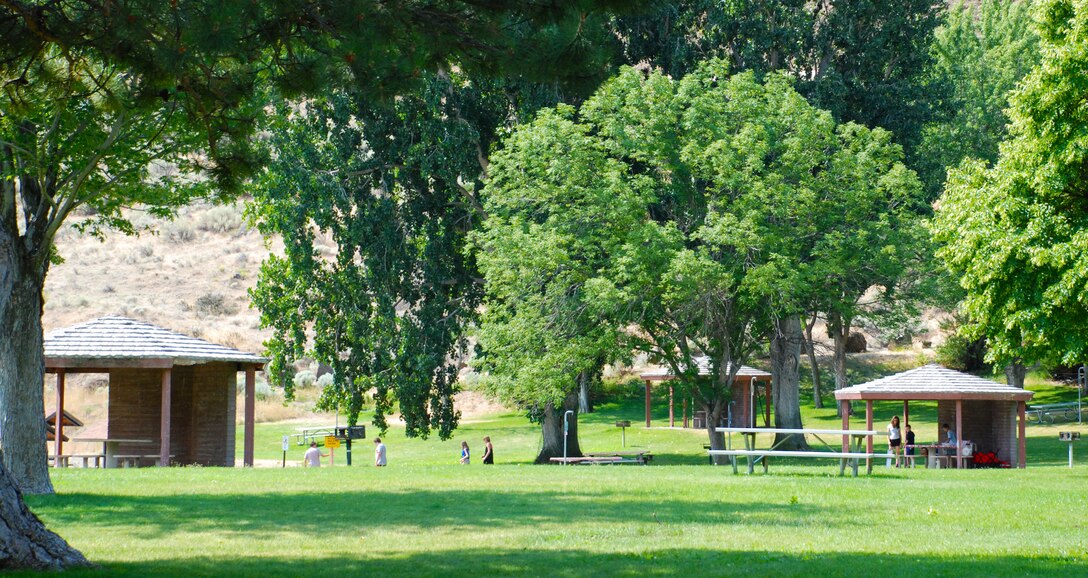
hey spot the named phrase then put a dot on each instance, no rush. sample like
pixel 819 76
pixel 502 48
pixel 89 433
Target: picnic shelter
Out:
pixel 747 395
pixel 987 413
pixel 172 397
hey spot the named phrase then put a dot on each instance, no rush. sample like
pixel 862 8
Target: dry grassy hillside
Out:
pixel 189 275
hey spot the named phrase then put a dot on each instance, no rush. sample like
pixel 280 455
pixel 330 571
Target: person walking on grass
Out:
pixel 895 439
pixel 312 457
pixel 489 452
pixel 379 453
pixel 464 453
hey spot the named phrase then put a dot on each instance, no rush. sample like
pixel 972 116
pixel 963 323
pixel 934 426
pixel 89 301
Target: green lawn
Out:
pixel 425 515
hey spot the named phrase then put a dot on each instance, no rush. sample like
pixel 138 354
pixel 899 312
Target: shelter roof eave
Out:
pixel 1022 395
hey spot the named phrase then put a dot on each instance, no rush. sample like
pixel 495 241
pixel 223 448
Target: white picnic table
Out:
pixel 845 456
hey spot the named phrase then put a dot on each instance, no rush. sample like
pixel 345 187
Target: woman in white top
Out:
pixel 895 439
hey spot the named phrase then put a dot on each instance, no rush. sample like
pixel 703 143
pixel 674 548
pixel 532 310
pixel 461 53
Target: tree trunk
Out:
pixel 786 382
pixel 840 332
pixel 814 368
pixel 717 438
pixel 25 543
pixel 552 427
pixel 22 368
pixel 1015 373
pixel 585 405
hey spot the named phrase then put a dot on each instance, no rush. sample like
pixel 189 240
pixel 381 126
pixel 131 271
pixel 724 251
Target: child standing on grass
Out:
pixel 910 447
pixel 894 438
pixel 464 453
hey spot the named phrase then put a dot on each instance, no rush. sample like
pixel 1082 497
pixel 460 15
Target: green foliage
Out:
pixel 981 52
pixel 865 62
pixel 680 217
pixel 961 352
pixel 391 186
pixel 1016 234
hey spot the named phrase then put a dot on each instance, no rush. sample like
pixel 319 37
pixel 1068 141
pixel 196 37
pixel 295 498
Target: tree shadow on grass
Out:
pixel 331 512
pixel 562 563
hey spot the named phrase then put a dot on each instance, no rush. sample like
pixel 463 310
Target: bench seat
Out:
pixel 797 454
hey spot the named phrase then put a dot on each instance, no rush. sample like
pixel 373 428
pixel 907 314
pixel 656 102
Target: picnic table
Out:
pixel 1045 413
pixel 111 456
pixel 845 454
pixel 606 458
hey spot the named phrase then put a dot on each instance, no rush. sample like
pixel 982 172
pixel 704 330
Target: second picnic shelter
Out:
pixel 987 413
pixel 746 394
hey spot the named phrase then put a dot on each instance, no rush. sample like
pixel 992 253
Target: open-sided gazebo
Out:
pixel 176 391
pixel 987 413
pixel 744 393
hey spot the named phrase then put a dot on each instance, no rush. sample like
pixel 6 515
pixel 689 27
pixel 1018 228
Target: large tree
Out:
pixel 1016 234
pixel 102 105
pixel 557 208
pixel 730 180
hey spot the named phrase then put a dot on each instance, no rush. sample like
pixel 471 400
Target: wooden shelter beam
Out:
pixel 71 363
pixel 959 433
pixel 58 423
pixel 844 409
pixel 164 424
pixel 647 403
pixel 672 410
pixel 250 410
pixel 1021 435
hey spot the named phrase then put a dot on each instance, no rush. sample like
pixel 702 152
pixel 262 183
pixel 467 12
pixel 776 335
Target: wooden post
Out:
pixel 844 406
pixel 767 405
pixel 868 425
pixel 672 420
pixel 906 417
pixel 251 397
pixel 647 403
pixel 58 421
pixel 685 412
pixel 164 423
pixel 1021 449
pixel 959 433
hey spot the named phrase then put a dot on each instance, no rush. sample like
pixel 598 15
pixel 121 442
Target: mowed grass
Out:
pixel 427 516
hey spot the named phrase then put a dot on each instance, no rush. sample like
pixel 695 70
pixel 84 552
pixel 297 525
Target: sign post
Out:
pixel 332 442
pixel 286 439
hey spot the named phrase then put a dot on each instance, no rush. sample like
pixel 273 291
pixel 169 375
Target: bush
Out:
pixel 214 304
pixel 222 219
pixel 305 379
pixel 178 232
pixel 963 354
pixel 261 388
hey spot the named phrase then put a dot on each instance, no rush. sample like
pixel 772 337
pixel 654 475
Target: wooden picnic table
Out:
pixel 110 447
pixel 846 456
pixel 606 459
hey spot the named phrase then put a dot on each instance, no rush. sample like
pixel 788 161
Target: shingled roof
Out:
pixel 933 382
pixel 704 369
pixel 120 341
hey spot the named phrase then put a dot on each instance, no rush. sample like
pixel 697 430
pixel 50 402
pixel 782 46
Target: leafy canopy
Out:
pixel 1016 234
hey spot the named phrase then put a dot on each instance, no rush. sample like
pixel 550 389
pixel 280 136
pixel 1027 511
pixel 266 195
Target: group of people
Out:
pixel 896 440
pixel 312 457
pixel 489 452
